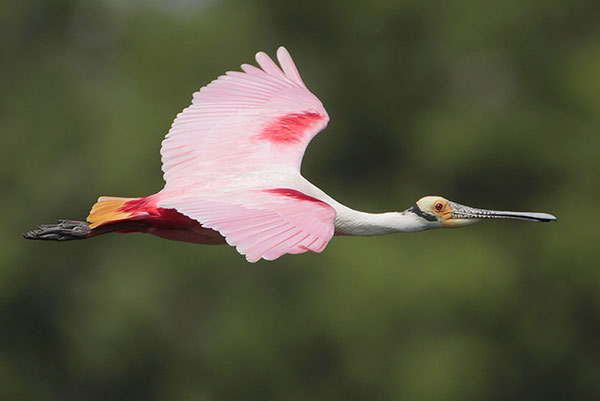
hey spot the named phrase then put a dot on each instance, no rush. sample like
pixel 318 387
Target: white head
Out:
pixel 438 212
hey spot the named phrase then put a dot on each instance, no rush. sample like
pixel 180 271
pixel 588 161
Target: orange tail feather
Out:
pixel 109 209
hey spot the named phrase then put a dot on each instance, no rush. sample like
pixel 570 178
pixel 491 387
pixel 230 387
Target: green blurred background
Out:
pixel 491 104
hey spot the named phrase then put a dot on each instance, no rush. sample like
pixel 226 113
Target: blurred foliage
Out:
pixel 489 104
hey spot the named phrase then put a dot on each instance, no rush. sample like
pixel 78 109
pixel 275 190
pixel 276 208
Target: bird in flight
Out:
pixel 231 164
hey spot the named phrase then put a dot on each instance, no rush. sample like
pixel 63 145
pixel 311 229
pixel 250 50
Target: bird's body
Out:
pixel 231 163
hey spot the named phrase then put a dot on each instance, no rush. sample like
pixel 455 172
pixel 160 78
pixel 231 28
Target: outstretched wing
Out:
pixel 231 158
pixel 262 117
pixel 262 223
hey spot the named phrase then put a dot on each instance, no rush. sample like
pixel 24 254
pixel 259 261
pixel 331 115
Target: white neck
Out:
pixel 353 222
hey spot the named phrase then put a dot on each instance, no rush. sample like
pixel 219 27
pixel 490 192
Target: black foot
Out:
pixel 64 230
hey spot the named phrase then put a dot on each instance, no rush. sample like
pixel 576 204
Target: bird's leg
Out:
pixel 63 230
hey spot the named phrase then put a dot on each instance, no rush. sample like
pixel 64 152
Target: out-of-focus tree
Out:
pixel 495 105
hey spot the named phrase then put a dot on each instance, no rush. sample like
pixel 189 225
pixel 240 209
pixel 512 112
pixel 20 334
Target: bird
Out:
pixel 231 163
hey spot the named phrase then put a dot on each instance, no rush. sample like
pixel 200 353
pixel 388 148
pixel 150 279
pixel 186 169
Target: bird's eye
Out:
pixel 439 206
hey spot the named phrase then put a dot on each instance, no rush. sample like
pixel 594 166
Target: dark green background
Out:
pixel 491 104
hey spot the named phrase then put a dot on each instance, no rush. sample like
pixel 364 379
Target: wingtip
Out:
pixel 282 51
pixel 252 259
pixel 288 65
pixel 260 55
pixel 264 60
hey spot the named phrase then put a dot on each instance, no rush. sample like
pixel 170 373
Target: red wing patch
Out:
pixel 137 205
pixel 157 216
pixel 292 193
pixel 290 128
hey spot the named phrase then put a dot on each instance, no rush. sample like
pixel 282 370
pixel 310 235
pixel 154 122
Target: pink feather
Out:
pixel 241 129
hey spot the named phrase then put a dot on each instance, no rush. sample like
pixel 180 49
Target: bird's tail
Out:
pixel 109 214
pixel 110 209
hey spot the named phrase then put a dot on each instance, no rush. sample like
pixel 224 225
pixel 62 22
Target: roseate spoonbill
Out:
pixel 231 163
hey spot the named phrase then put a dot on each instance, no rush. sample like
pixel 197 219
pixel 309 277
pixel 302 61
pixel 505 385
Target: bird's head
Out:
pixel 438 212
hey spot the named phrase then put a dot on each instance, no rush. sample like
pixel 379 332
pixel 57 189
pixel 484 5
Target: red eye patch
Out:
pixel 439 206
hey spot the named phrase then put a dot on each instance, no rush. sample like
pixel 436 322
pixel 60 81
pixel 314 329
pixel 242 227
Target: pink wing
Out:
pixel 214 156
pixel 241 121
pixel 264 223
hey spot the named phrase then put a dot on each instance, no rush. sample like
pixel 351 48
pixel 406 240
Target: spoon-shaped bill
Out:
pixel 466 212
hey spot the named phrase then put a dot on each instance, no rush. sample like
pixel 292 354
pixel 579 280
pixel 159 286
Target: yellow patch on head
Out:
pixel 436 206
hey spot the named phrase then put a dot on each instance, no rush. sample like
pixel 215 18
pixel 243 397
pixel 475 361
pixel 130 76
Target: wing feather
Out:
pixel 288 66
pixel 226 118
pixel 261 224
pixel 240 124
